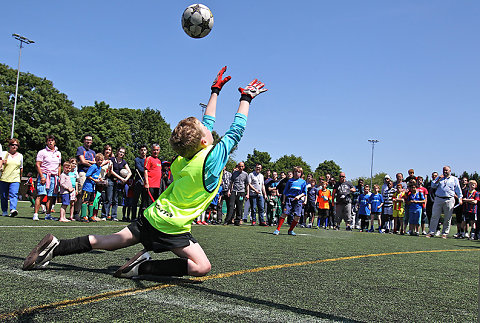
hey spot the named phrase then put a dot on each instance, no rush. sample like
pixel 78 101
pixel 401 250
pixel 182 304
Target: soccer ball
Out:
pixel 124 173
pixel 197 21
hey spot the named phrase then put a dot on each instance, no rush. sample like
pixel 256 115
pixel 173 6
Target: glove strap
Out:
pixel 216 90
pixel 246 97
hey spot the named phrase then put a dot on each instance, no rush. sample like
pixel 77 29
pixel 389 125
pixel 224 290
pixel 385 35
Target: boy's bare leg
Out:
pixel 122 239
pixel 198 263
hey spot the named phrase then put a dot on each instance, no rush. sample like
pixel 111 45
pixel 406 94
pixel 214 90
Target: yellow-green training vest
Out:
pixel 185 199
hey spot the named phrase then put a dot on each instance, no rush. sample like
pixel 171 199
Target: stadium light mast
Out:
pixel 373 142
pixel 204 107
pixel 22 41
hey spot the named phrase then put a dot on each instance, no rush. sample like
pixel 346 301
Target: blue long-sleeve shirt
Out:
pixel 218 157
pixel 447 187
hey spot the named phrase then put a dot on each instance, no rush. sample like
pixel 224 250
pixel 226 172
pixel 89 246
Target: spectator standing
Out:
pixel 398 209
pixel 226 179
pixel 273 201
pixel 48 167
pixel 118 164
pixel 414 201
pixel 470 201
pixel 104 186
pixel 411 175
pixel 12 165
pixel 343 201
pixel 257 195
pixel 446 187
pixel 400 180
pixel 324 199
pixel 237 193
pixel 30 188
pixel 376 203
pixel 424 191
pixel 431 198
pixel 139 184
pixel 364 209
pixel 359 189
pixel 387 210
pixel 458 210
pixel 85 158
pixel 65 190
pixel 153 174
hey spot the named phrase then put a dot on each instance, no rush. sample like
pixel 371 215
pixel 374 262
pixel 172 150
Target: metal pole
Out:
pixel 16 90
pixel 373 141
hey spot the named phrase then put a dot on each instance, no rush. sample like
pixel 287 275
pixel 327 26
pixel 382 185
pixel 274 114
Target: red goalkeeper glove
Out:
pixel 253 89
pixel 220 81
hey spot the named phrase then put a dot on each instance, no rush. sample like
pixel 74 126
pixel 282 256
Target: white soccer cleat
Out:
pixel 41 255
pixel 130 268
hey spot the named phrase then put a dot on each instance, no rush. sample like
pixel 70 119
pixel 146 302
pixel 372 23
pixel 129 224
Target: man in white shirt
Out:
pixel 446 187
pixel 257 194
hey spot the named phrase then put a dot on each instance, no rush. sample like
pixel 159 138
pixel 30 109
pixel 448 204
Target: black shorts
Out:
pixel 323 213
pixel 157 241
pixel 88 196
pixel 310 208
pixel 469 216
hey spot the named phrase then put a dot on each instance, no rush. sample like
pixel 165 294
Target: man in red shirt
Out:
pixel 153 173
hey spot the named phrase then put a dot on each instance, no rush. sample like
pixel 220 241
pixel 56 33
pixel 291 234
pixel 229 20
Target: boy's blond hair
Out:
pixel 98 156
pixel 298 169
pixel 185 138
pixel 472 181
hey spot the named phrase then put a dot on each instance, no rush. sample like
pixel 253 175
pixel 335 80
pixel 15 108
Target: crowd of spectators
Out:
pixel 93 185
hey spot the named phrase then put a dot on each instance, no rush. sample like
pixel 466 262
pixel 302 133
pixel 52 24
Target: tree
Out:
pixel 328 167
pixel 377 179
pixel 287 162
pixel 41 110
pixel 258 157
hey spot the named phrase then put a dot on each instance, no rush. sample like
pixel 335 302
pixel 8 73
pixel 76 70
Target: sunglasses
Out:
pixel 14 145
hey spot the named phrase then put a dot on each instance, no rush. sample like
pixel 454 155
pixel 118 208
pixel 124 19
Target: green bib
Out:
pixel 185 199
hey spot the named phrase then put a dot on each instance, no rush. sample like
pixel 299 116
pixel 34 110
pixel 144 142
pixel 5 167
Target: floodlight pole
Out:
pixel 204 107
pixel 26 41
pixel 373 142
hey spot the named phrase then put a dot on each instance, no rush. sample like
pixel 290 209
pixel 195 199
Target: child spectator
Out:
pixel 65 190
pixel 312 192
pixel 73 174
pixel 364 209
pixel 324 199
pixel 127 208
pixel 88 189
pixel 470 209
pixel 376 203
pixel 387 218
pixel 30 189
pixel 398 209
pixel 424 205
pixel 414 201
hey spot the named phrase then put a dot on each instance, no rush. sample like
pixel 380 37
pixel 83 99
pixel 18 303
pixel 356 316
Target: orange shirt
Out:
pixel 323 197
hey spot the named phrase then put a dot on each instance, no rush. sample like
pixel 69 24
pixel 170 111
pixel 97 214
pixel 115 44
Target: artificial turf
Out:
pixel 413 287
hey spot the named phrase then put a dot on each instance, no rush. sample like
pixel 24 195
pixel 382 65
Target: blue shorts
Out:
pixel 293 207
pixel 414 216
pixel 42 189
pixel 66 199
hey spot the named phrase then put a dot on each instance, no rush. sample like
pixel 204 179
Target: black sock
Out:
pixel 71 246
pixel 170 267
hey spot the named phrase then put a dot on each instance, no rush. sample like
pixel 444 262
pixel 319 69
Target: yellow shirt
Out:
pixel 11 170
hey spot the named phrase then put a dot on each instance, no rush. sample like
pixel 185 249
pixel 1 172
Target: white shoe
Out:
pixel 41 255
pixel 437 234
pixel 466 235
pixel 472 236
pixel 130 268
pixel 35 217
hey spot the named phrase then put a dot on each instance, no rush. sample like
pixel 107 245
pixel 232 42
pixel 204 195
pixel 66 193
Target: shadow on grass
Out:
pixel 278 306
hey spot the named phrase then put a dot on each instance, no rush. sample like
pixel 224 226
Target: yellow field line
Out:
pixel 133 291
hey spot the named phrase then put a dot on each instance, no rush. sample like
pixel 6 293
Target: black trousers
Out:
pixel 236 201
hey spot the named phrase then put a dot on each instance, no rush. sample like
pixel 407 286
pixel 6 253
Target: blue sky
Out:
pixel 338 72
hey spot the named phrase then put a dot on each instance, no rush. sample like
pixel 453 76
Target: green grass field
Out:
pixel 317 276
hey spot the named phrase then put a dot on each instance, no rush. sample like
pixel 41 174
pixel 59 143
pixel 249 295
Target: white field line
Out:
pixel 207 305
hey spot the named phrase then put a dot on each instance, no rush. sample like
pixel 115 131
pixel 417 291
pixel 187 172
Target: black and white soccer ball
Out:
pixel 197 21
